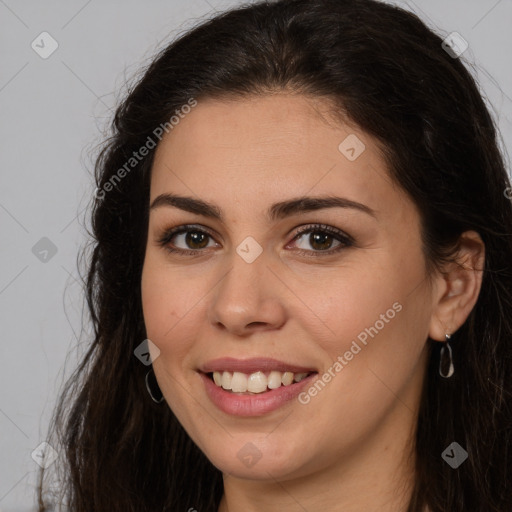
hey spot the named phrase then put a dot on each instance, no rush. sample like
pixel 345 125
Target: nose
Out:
pixel 248 298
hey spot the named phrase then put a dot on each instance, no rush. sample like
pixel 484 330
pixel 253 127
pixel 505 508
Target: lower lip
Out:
pixel 253 405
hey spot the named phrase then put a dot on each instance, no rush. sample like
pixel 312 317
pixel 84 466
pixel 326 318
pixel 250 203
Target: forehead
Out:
pixel 255 150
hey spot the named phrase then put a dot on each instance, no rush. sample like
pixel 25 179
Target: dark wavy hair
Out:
pixel 387 72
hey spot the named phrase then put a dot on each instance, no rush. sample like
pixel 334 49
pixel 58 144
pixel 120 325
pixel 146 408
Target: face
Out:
pixel 335 290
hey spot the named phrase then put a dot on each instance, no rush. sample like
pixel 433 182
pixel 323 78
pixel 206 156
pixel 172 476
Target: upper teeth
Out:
pixel 256 382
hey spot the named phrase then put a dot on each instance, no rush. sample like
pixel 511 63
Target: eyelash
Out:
pixel 345 240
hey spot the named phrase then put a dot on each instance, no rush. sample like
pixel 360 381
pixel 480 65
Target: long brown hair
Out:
pixel 388 73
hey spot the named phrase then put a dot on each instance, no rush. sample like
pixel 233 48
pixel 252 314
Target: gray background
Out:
pixel 53 112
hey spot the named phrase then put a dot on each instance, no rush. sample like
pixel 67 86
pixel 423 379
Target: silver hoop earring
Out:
pixel 450 368
pixel 155 394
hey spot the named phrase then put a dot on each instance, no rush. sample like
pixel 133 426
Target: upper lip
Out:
pixel 252 365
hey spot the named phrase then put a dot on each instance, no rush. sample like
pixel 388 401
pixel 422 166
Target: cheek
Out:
pixel 338 306
pixel 375 313
pixel 173 303
pixel 168 299
pixel 157 301
pixel 372 343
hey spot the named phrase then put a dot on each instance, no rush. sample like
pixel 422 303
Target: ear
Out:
pixel 457 287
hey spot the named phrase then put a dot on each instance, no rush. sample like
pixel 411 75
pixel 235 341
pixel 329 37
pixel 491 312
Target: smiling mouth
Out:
pixel 257 382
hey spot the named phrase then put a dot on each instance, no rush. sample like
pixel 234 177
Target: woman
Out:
pixel 300 282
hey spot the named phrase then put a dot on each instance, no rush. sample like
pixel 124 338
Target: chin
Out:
pixel 253 463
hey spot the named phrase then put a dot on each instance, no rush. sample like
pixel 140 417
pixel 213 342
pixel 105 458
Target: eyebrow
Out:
pixel 277 211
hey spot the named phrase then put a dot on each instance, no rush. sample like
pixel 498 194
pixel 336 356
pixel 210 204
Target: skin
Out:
pixel 350 448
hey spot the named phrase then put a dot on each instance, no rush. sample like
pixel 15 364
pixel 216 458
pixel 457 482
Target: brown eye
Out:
pixel 320 240
pixel 185 240
pixel 193 241
pixel 196 239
